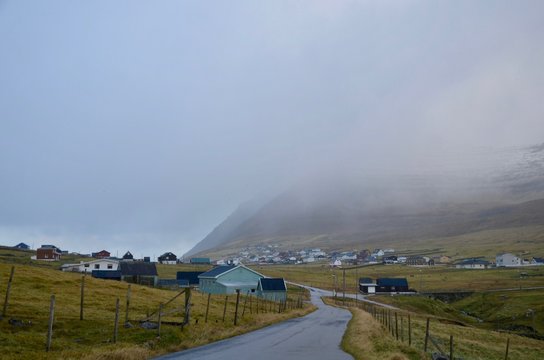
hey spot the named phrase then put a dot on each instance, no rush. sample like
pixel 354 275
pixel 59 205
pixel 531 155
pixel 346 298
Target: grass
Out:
pixel 92 337
pixel 426 279
pixel 469 342
pixel 365 339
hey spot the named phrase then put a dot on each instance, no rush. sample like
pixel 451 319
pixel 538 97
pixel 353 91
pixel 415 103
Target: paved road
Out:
pixel 312 337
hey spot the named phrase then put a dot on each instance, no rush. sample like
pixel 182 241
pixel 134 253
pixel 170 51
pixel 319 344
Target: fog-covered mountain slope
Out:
pixel 489 189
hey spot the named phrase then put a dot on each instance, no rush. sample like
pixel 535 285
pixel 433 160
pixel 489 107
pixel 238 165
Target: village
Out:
pixel 231 275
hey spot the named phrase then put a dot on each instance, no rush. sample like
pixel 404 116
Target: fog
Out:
pixel 141 125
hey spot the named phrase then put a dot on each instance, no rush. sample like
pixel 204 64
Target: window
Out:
pixel 97 266
pixel 110 266
pixel 86 265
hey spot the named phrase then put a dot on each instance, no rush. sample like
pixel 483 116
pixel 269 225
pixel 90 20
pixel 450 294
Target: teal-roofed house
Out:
pixel 272 289
pixel 226 280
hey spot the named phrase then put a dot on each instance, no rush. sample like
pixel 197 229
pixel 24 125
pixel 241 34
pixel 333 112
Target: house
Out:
pixel 200 261
pixel 48 253
pixel 367 285
pixel 472 264
pixel 537 261
pixel 128 256
pixel 272 289
pixel 139 272
pixel 336 263
pixel 89 266
pixel 390 285
pixel 168 258
pixel 22 246
pixel 188 277
pixel 378 252
pixel 507 260
pixel 383 285
pixel 227 279
pixel 102 254
pixel 391 259
pixel 401 259
pixel 419 261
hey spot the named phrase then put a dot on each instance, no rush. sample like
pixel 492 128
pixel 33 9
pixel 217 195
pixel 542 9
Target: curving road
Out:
pixel 312 337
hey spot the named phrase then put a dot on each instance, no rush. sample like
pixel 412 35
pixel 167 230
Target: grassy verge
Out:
pixel 469 342
pixel 92 337
pixel 366 339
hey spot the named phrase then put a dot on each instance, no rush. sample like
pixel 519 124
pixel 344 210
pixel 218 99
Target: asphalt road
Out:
pixel 312 337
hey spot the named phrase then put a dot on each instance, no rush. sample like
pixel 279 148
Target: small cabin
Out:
pixel 272 289
pixel 227 279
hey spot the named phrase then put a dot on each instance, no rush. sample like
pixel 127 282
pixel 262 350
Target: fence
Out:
pixel 178 311
pixel 399 324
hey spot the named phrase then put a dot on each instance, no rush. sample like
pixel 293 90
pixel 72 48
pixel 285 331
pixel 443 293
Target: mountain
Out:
pixel 499 189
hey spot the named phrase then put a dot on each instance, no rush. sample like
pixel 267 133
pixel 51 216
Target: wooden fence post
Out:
pixel 207 308
pixel 409 331
pixel 236 309
pixel 82 297
pixel 257 303
pixel 396 326
pixel 507 346
pixel 245 302
pixel 187 306
pixel 401 328
pixel 451 347
pixel 116 323
pixel 128 305
pixel 50 324
pixel 6 301
pixel 426 335
pixel 159 321
pixel 251 304
pixel 225 308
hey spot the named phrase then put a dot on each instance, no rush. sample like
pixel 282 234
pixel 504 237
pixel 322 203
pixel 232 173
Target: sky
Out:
pixel 140 125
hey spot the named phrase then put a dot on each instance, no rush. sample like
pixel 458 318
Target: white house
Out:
pixel 336 263
pixel 507 259
pixel 378 252
pixel 472 264
pixel 89 266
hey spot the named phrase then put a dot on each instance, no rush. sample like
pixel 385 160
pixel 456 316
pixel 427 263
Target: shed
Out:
pixel 128 256
pixel 205 261
pixel 139 273
pixel 392 285
pixel 272 289
pixel 367 285
pixel 191 277
pixel 227 279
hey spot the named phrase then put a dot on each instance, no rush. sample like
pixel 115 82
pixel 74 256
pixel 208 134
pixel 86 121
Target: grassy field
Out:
pixel 469 342
pixel 92 338
pixel 426 279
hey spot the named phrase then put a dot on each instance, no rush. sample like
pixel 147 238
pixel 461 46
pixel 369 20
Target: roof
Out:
pixel 127 255
pixel 167 255
pixel 273 284
pixel 392 282
pixel 473 262
pixel 22 245
pixel 218 270
pixel 138 268
pixel 106 274
pixel 366 280
pixel 190 276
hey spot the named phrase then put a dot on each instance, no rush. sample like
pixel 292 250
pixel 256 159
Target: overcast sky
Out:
pixel 139 126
